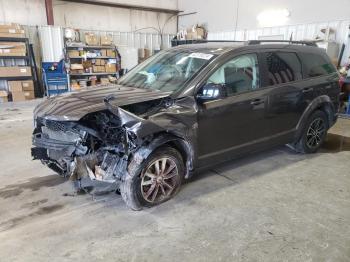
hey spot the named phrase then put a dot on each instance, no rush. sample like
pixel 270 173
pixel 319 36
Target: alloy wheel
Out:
pixel 315 133
pixel 159 180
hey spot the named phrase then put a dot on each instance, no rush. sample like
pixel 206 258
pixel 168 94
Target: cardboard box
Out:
pixel 73 53
pixel 18 96
pixel 12 49
pixel 13 45
pixel 111 68
pixel 12 35
pixel 104 80
pixel 100 62
pixel 103 52
pixel 28 85
pixel 77 71
pixel 86 65
pixel 10 26
pixel 29 95
pixel 11 30
pixel 22 96
pixel 15 86
pixel 11 52
pixel 91 39
pixel 21 86
pixel 3 96
pixel 196 33
pixel 148 53
pixel 110 53
pixel 106 40
pixel 98 69
pixel 76 67
pixel 6 71
pixel 93 82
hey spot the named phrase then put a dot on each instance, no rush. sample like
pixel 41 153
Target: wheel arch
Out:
pixel 165 138
pixel 322 103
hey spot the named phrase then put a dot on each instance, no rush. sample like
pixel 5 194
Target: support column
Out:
pixel 49 12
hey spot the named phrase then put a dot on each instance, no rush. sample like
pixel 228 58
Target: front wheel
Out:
pixel 155 181
pixel 313 134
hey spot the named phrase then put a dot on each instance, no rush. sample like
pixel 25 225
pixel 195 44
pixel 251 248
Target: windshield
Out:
pixel 167 71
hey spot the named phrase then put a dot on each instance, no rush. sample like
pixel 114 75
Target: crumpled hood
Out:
pixel 75 105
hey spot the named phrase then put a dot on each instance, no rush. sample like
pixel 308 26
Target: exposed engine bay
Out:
pixel 98 146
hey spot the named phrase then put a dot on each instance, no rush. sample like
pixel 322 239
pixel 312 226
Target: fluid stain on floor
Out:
pixel 34 203
pixel 9 224
pixel 33 184
pixel 336 143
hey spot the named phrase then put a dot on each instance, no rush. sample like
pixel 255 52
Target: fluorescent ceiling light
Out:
pixel 273 17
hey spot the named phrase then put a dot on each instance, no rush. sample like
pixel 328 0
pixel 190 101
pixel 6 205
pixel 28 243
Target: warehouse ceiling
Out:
pixel 126 6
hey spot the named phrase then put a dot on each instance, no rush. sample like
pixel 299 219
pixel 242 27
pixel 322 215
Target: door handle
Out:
pixel 257 101
pixel 307 89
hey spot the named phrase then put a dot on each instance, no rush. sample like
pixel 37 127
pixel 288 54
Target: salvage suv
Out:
pixel 188 108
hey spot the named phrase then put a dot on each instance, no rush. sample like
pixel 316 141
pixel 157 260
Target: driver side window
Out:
pixel 238 75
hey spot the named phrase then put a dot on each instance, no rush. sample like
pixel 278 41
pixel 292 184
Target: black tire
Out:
pixel 136 185
pixel 311 140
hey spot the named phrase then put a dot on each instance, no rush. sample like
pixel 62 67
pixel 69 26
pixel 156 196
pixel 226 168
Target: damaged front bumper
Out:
pixel 77 150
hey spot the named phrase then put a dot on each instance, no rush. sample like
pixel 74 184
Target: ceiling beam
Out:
pixel 49 12
pixel 125 6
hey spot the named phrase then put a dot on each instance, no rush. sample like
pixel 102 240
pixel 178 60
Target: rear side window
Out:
pixel 317 65
pixel 283 67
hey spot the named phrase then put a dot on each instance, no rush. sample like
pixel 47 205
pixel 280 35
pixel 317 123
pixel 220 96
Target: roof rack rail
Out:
pixel 258 42
pixel 176 42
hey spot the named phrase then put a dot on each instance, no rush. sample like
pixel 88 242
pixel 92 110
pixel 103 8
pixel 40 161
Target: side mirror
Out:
pixel 211 91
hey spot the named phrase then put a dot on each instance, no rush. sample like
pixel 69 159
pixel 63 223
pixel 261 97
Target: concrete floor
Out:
pixel 273 206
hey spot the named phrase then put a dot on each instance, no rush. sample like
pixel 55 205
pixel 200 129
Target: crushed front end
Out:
pixel 97 146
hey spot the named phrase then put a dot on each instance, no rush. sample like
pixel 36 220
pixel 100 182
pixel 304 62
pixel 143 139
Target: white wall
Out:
pixel 25 12
pixel 94 17
pixel 91 17
pixel 166 4
pixel 221 15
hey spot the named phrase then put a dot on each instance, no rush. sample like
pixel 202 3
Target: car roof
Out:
pixel 218 48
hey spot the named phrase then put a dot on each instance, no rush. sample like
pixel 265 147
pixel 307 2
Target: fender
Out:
pixel 182 145
pixel 318 102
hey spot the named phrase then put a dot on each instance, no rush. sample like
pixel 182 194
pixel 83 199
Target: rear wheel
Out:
pixel 155 181
pixel 313 134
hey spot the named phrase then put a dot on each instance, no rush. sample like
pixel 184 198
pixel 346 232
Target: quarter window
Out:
pixel 238 75
pixel 316 65
pixel 283 67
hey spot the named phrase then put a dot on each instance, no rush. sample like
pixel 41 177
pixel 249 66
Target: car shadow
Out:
pixel 242 169
pixel 248 167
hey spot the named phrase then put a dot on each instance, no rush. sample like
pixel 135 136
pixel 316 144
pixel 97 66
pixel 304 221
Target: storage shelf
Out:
pixel 92 74
pixel 98 57
pixel 14 57
pixel 16 78
pixel 91 47
pixel 78 57
pixel 13 39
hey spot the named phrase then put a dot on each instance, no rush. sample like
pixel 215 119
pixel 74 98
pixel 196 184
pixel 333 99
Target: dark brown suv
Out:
pixel 187 108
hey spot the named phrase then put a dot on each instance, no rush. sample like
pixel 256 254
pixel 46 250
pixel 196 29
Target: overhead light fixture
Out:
pixel 273 17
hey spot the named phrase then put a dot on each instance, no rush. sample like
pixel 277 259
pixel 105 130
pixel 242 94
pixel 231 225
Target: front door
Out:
pixel 236 123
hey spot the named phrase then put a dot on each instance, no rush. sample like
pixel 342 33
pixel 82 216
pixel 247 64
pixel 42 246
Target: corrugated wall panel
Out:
pixel 297 32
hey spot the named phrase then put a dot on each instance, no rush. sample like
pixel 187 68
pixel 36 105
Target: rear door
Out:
pixel 320 76
pixel 287 93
